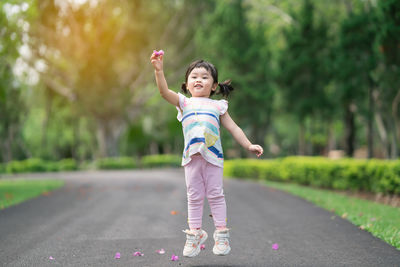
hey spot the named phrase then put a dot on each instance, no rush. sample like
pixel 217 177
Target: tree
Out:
pixel 355 60
pixel 387 72
pixel 242 54
pixel 97 57
pixel 303 69
pixel 12 106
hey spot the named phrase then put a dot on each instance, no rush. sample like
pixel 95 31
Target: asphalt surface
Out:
pixel 97 214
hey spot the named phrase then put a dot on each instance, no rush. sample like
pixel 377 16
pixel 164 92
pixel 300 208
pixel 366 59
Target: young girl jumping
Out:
pixel 202 158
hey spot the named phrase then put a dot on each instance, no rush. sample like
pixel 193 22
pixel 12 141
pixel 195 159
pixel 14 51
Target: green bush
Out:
pixel 28 165
pixel 390 180
pixel 377 176
pixel 67 165
pixel 39 165
pixel 116 163
pixel 165 160
pixel 52 166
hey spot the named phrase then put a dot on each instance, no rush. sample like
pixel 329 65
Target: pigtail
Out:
pixel 225 88
pixel 184 88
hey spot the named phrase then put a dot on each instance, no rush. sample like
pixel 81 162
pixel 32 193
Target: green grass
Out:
pixel 13 192
pixel 380 220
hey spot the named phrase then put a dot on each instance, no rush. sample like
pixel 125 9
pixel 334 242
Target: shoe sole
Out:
pixel 223 253
pixel 197 251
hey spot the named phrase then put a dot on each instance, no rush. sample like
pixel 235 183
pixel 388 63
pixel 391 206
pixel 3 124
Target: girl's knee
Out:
pixel 195 197
pixel 215 195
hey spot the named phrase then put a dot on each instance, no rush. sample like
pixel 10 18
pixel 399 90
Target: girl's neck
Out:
pixel 200 97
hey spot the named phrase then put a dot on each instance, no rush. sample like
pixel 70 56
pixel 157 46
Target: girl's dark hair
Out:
pixel 224 88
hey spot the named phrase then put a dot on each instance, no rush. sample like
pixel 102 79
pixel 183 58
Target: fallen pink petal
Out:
pixel 160 251
pixel 138 253
pixel 51 258
pixel 174 257
pixel 275 246
pixel 117 255
pixel 202 247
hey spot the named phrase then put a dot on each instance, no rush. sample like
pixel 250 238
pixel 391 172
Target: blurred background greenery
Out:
pixel 311 77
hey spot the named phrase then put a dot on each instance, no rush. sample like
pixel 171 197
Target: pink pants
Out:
pixel 204 179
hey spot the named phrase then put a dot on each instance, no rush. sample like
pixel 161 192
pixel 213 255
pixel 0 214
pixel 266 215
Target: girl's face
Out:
pixel 200 83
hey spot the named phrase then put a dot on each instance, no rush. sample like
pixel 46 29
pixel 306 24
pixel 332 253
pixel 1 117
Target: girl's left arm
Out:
pixel 239 135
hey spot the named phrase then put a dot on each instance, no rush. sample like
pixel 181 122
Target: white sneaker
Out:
pixel 221 246
pixel 193 242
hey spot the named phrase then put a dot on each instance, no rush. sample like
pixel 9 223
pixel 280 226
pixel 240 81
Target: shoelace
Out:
pixel 221 238
pixel 190 240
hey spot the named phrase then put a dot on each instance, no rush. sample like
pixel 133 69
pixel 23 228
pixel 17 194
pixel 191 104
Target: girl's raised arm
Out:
pixel 167 94
pixel 239 135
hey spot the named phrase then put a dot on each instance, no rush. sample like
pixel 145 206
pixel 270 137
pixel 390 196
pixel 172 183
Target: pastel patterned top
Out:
pixel 200 118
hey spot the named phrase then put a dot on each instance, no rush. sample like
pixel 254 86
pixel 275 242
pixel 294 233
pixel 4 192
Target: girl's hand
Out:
pixel 256 149
pixel 157 61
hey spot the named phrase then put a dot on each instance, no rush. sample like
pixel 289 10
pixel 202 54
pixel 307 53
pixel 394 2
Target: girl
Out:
pixel 202 156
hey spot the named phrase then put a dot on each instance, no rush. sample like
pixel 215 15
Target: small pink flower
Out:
pixel 174 257
pixel 158 53
pixel 137 253
pixel 275 246
pixel 202 247
pixel 117 255
pixel 51 258
pixel 160 251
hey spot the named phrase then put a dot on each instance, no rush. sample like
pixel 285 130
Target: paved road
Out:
pixel 100 213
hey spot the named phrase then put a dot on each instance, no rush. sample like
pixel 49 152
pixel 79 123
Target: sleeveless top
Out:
pixel 200 118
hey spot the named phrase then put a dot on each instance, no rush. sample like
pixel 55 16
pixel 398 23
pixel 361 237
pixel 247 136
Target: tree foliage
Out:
pixel 309 76
pixel 241 54
pixel 12 106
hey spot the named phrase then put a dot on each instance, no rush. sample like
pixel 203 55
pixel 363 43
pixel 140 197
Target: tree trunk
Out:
pixel 331 137
pixel 395 105
pixel 153 149
pixel 76 142
pixel 302 139
pixel 394 151
pixel 45 123
pixel 259 130
pixel 7 146
pixel 24 148
pixel 258 135
pixel 350 130
pixel 382 133
pixel 370 133
pixel 108 134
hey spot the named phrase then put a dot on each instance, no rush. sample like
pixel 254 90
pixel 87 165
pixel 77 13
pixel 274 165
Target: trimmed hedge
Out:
pixel 39 165
pixel 165 160
pixel 376 176
pixel 116 163
pixel 67 165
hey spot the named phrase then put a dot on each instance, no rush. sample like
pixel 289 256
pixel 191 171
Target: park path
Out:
pixel 99 213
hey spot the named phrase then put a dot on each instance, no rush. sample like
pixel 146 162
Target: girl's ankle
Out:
pixel 195 230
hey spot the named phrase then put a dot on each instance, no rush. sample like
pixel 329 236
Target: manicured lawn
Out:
pixel 13 192
pixel 380 220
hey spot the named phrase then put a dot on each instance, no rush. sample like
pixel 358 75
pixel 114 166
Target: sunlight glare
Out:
pixel 78 2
